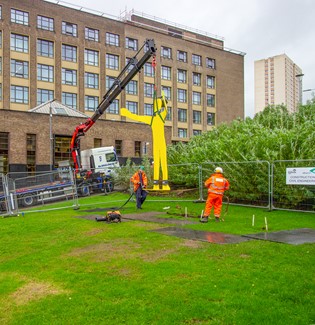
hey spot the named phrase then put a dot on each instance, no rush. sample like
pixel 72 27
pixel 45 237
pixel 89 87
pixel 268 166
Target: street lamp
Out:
pixel 307 90
pixel 300 76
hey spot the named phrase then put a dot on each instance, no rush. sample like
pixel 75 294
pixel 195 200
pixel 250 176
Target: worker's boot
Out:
pixel 217 219
pixel 204 219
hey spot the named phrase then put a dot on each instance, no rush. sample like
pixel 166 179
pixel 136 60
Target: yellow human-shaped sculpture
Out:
pixel 156 121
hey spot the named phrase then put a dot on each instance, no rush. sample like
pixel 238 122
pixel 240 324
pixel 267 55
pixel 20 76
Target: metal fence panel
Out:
pixel 44 188
pixel 8 202
pixel 249 181
pixel 291 197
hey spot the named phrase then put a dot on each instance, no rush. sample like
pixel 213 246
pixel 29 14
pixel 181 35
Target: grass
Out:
pixel 58 268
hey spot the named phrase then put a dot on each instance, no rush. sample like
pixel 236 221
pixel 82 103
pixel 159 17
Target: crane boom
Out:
pixel 118 86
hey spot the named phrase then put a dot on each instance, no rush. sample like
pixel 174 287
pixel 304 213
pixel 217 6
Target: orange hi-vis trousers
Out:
pixel 213 200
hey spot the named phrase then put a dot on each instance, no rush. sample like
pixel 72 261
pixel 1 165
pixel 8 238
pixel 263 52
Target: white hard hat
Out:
pixel 218 170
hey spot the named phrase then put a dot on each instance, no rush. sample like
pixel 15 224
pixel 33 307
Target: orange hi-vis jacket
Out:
pixel 217 184
pixel 136 180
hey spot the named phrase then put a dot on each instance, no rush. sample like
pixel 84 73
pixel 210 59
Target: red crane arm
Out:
pixel 131 69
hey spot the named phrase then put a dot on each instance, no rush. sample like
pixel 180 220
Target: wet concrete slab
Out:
pixel 206 236
pixel 294 237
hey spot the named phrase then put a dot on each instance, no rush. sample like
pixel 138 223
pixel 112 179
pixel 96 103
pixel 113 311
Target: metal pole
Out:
pixel 50 137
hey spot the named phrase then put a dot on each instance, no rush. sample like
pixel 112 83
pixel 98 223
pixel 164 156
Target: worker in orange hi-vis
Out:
pixel 216 185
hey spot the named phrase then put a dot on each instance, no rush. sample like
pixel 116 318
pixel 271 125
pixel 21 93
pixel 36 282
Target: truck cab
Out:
pixel 100 160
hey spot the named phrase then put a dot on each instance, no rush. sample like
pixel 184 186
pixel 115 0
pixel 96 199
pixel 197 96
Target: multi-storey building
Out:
pixel 50 51
pixel 278 80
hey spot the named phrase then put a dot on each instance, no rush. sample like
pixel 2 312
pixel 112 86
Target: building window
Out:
pixel 181 76
pixel 69 77
pixel 137 148
pixel 182 115
pixel 131 44
pixel 0 12
pixel 114 107
pixel 69 29
pixel 182 95
pixel 92 34
pixel 132 107
pixel 19 17
pixel 112 39
pixel 19 69
pixel 169 114
pixel 148 109
pixel 0 91
pixel 166 52
pixel 69 53
pixel 44 95
pixel 196 79
pixel 210 100
pixel 196 117
pixel 148 70
pixel 130 64
pixel 148 90
pixel 62 149
pixel 118 147
pixel 91 80
pixel 45 48
pixel 19 43
pixel 45 72
pixel 167 92
pixel 31 153
pixel 91 103
pixel 19 95
pixel 97 143
pixel 210 63
pixel 182 133
pixel 182 56
pixel 112 61
pixel 210 82
pixel 196 59
pixel 91 57
pixel 132 87
pixel 0 39
pixel 166 72
pixel 70 100
pixel 4 152
pixel 196 132
pixel 45 23
pixel 109 82
pixel 196 98
pixel 210 119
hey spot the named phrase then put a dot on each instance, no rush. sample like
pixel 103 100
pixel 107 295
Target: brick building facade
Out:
pixel 50 51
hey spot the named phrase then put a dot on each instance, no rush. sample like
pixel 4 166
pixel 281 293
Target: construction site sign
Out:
pixel 300 176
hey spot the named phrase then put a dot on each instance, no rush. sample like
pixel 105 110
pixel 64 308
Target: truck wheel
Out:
pixel 109 187
pixel 27 200
pixel 84 189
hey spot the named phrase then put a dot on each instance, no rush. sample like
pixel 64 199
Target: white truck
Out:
pixel 100 160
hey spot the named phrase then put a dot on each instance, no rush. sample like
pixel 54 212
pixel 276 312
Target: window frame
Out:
pixel 91 34
pixel 19 64
pixel 48 76
pixel 112 39
pixel 69 29
pixel 45 23
pixel 24 17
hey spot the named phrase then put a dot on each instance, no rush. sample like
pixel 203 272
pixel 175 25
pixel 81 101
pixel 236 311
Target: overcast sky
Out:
pixel 260 28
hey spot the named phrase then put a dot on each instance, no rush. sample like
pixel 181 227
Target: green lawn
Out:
pixel 57 268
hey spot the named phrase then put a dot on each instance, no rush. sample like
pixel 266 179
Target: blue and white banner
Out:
pixel 300 176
